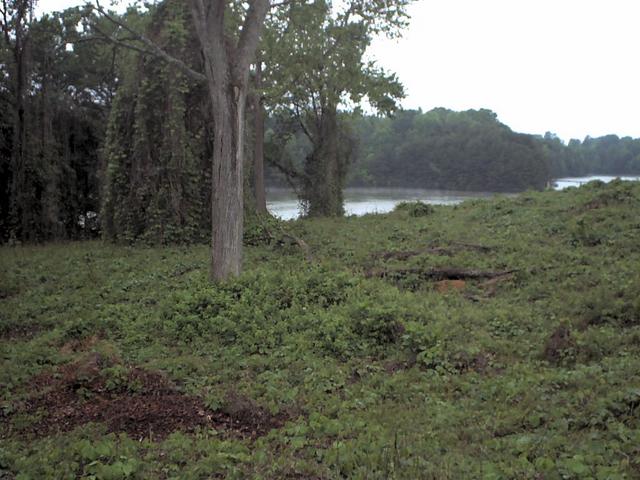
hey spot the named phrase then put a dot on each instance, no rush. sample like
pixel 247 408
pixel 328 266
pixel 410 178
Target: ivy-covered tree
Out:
pixel 227 50
pixel 157 183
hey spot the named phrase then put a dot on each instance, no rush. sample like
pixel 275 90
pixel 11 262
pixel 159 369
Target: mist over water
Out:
pixel 284 204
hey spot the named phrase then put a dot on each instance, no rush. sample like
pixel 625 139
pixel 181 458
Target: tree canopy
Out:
pixel 317 66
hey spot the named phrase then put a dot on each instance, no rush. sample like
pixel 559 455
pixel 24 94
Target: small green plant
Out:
pixel 415 209
pixel 118 379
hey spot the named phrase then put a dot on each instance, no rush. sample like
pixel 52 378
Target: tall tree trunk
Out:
pixel 324 171
pixel 50 164
pixel 227 182
pixel 227 74
pixel 258 151
pixel 19 194
pixel 15 23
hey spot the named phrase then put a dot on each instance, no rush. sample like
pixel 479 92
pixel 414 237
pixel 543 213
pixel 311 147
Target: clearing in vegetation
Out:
pixel 496 339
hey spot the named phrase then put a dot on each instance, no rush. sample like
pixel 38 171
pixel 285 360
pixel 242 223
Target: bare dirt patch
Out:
pixel 142 403
pixel 22 332
pixel 445 286
pixel 559 345
pixel 79 345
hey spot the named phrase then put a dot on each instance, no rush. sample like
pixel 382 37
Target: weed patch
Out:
pixel 496 339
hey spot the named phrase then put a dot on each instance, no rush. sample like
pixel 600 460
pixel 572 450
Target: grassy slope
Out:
pixel 386 379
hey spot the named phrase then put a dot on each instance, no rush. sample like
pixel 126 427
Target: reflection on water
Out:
pixel 359 201
pixel 283 203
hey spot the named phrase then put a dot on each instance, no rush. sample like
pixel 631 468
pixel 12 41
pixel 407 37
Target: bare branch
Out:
pixel 152 47
pixel 115 41
pixel 198 14
pixel 301 122
pixel 290 174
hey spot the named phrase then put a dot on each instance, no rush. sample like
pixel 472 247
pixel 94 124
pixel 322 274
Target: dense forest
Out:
pixel 109 125
pixel 472 150
pixel 55 95
pixel 101 136
pixel 608 155
pixel 449 150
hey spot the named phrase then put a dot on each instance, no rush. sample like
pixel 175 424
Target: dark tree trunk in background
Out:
pixel 16 17
pixel 49 162
pixel 325 170
pixel 19 207
pixel 258 151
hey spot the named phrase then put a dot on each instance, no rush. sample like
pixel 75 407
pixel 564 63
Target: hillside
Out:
pixel 496 339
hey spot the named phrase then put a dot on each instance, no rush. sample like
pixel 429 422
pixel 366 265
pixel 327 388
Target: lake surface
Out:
pixel 562 183
pixel 358 201
pixel 283 203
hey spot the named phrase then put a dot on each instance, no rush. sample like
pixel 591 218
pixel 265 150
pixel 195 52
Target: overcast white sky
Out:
pixel 571 67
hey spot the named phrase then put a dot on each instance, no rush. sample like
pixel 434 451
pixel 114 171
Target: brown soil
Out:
pixel 20 332
pixel 558 345
pixel 142 403
pixel 79 345
pixel 444 286
pixel 480 363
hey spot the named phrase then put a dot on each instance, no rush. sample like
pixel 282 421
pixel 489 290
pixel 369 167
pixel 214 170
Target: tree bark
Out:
pixel 227 74
pixel 227 183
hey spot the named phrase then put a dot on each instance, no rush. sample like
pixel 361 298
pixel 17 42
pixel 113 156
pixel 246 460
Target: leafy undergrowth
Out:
pixel 495 339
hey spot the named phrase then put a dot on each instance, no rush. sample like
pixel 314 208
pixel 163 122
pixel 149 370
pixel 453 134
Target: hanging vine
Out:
pixel 157 181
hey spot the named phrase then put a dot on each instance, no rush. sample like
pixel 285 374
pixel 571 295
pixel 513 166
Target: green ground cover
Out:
pixel 362 363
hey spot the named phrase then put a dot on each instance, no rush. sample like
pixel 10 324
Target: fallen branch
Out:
pixel 446 251
pixel 151 47
pixel 435 274
pixel 472 246
pixel 406 254
pixel 290 238
pixel 490 286
pixel 282 237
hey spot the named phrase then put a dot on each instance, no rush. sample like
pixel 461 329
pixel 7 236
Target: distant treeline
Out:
pixel 472 150
pixel 445 149
pixel 608 155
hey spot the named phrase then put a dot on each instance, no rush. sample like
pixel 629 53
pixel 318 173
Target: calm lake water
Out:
pixel 358 201
pixel 562 183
